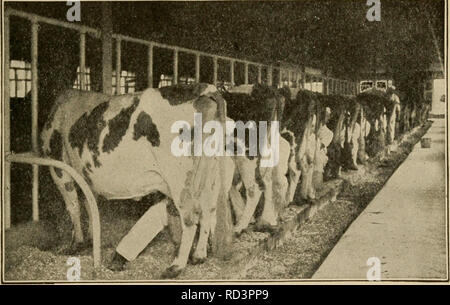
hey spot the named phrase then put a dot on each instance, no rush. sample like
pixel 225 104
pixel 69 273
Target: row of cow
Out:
pixel 122 146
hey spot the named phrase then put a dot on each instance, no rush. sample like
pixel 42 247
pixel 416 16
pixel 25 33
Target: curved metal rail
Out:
pixel 35 159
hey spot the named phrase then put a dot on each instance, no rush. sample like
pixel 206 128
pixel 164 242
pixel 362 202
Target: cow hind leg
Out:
pixel 200 252
pixel 253 192
pixel 66 186
pixel 187 239
pixel 268 219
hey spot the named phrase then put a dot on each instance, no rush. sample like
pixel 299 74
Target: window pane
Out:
pixel 20 74
pixel 20 89
pixel 15 63
pixel 12 89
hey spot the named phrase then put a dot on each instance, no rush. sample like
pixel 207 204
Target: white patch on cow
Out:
pixel 209 89
pixel 244 89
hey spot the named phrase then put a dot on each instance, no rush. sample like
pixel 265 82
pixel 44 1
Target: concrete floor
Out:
pixel 404 226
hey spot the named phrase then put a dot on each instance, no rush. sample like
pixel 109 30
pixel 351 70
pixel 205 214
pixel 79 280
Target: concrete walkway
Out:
pixel 404 225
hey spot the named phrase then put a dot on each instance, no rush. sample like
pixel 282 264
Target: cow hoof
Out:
pixel 271 229
pixel 239 232
pixel 197 260
pixel 117 263
pixel 172 272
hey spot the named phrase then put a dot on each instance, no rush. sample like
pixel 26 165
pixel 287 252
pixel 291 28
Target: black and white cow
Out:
pixel 122 147
pixel 259 103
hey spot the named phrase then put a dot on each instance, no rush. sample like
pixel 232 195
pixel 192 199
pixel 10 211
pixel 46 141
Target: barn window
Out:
pixel 127 82
pixel 186 80
pixel 165 80
pixel 317 84
pixel 19 78
pixel 87 79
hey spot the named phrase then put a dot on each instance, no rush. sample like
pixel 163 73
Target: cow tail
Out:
pixel 290 137
pixel 51 135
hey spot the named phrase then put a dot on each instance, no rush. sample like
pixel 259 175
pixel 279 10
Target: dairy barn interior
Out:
pixel 126 47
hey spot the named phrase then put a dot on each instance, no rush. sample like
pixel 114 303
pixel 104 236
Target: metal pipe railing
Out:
pixel 34 159
pixel 34 115
pixel 6 126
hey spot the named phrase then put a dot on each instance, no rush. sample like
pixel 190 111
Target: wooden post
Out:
pixel 259 74
pixel 118 66
pixel 6 124
pixel 107 29
pixel 150 66
pixel 269 75
pixel 197 68
pixel 215 67
pixel 232 72
pixel 34 116
pixel 280 78
pixel 303 80
pixel 83 60
pixel 289 78
pixel 246 73
pixel 175 66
